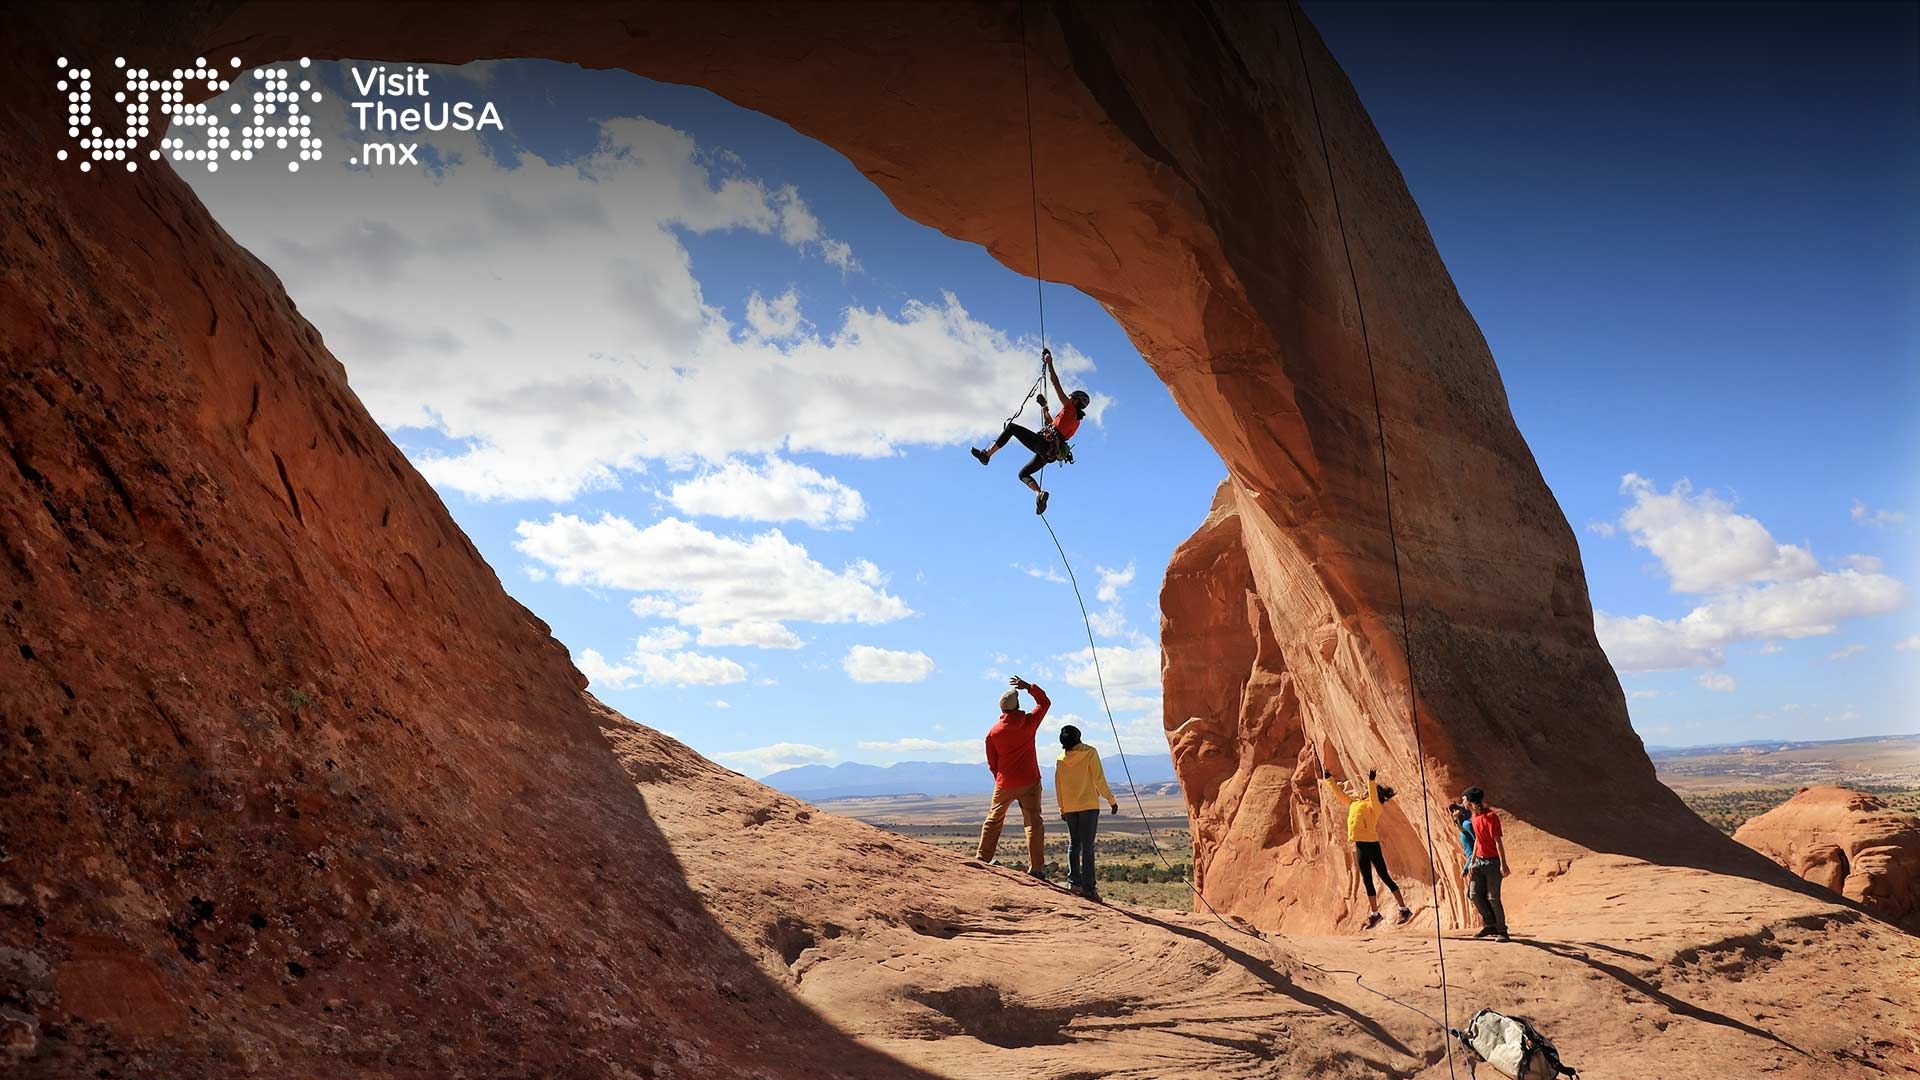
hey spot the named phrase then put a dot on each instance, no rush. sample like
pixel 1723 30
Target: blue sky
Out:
pixel 701 396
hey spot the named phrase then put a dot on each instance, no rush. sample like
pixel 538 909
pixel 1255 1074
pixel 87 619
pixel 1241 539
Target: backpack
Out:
pixel 1513 1047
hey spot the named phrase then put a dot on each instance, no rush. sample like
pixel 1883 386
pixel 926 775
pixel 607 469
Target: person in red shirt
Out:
pixel 1016 774
pixel 1487 867
pixel 1049 444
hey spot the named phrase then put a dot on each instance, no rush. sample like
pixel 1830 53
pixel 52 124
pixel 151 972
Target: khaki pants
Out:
pixel 1029 799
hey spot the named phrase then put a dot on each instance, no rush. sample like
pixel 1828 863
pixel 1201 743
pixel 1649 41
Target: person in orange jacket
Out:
pixel 1363 828
pixel 1079 786
pixel 1016 775
pixel 1049 444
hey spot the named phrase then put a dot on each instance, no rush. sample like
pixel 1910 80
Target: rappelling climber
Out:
pixel 1016 774
pixel 1079 786
pixel 1487 867
pixel 1049 444
pixel 1363 828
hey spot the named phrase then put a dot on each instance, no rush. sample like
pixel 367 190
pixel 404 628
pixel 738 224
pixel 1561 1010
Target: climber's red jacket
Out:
pixel 1010 751
pixel 1066 422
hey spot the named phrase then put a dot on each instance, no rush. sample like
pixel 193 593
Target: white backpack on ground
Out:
pixel 1513 1047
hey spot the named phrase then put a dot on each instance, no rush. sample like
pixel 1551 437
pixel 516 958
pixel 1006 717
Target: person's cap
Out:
pixel 1010 701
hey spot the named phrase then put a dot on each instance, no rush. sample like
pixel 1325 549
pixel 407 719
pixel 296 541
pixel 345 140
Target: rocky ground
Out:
pixel 964 971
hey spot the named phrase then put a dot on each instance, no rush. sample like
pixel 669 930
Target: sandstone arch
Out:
pixel 246 629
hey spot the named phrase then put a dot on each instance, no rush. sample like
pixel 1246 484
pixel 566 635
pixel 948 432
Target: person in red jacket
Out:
pixel 1049 444
pixel 1016 774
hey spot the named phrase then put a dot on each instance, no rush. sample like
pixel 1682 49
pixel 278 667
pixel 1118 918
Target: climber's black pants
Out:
pixel 1041 446
pixel 1371 859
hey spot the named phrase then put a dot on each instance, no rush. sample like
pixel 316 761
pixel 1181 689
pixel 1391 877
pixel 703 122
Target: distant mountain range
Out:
pixel 852 780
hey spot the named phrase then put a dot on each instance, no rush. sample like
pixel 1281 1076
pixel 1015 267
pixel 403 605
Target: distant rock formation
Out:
pixel 1847 841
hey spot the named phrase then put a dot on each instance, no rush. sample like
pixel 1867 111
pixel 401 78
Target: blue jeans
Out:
pixel 1081 827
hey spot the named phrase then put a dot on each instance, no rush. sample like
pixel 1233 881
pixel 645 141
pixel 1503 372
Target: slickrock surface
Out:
pixel 1847 841
pixel 292 788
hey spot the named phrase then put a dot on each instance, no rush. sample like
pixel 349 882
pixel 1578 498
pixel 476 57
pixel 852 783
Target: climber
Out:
pixel 1487 867
pixel 1016 774
pixel 1049 444
pixel 1079 785
pixel 1363 828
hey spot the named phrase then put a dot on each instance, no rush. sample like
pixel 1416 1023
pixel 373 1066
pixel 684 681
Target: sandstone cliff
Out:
pixel 293 788
pixel 1847 841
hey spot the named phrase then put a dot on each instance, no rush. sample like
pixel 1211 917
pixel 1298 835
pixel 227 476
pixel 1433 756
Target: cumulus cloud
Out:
pixel 542 320
pixel 865 663
pixel 1758 590
pixel 648 666
pixel 776 319
pixel 776 490
pixel 1718 681
pixel 1907 644
pixel 1132 675
pixel 1702 543
pixel 1110 621
pixel 734 590
pixel 1875 519
pixel 762 760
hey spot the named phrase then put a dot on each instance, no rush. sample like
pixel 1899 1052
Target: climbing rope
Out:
pixel 1393 542
pixel 1086 619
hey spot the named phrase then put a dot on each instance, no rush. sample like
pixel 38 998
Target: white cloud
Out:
pixel 864 663
pixel 1907 644
pixel 1132 675
pixel 1760 590
pixel 1718 681
pixel 1702 543
pixel 1845 651
pixel 762 760
pixel 722 703
pixel 661 639
pixel 754 635
pixel 778 490
pixel 1769 649
pixel 966 751
pixel 544 319
pixel 1641 695
pixel 730 588
pixel 1112 620
pixel 534 573
pixel 650 668
pixel 1045 573
pixel 1876 519
pixel 777 319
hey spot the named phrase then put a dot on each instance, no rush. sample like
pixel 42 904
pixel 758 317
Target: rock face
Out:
pixel 292 788
pixel 1847 841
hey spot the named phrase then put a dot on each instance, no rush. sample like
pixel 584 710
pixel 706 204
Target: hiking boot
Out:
pixel 979 455
pixel 1040 503
pixel 1038 875
pixel 1074 888
pixel 1405 914
pixel 1373 920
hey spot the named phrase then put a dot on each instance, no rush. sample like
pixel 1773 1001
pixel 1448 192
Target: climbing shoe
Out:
pixel 1373 920
pixel 979 455
pixel 1040 503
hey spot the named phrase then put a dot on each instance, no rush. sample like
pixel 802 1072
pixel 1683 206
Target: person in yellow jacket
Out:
pixel 1363 828
pixel 1079 786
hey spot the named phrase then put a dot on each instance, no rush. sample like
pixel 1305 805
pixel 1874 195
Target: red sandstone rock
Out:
pixel 292 788
pixel 1847 841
